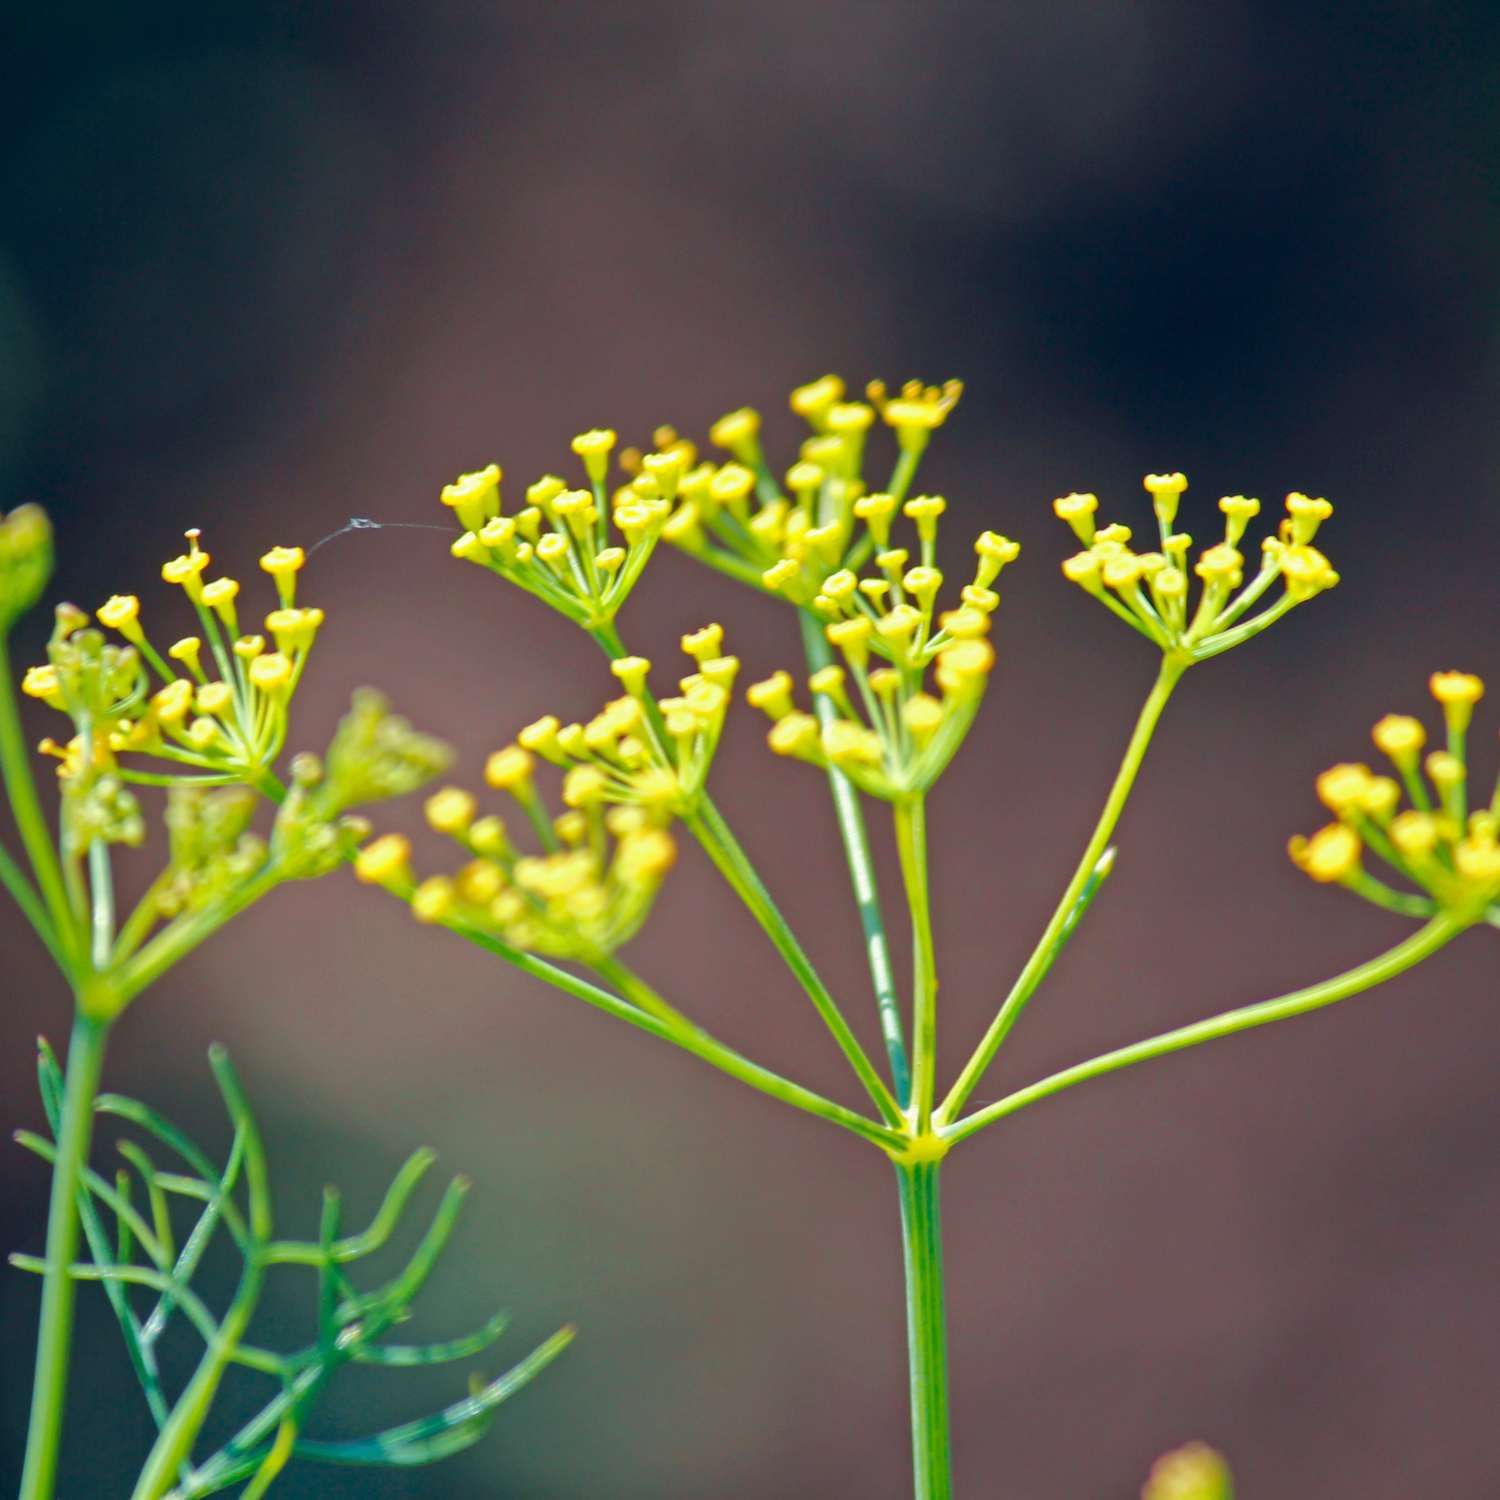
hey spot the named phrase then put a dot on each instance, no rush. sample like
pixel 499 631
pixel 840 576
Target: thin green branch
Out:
pixel 1045 951
pixel 1421 944
pixel 721 846
pixel 26 809
pixel 911 844
pixel 695 1041
pixel 707 825
pixel 856 843
pixel 25 895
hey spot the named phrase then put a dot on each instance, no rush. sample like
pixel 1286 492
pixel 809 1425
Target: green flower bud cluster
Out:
pixel 25 561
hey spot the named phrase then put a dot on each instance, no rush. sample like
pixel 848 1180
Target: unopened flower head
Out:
pixel 25 561
pixel 1418 821
pixel 788 533
pixel 212 704
pixel 878 720
pixel 580 550
pixel 1194 1472
pixel 1152 591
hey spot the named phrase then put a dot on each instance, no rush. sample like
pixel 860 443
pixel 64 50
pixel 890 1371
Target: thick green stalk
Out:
pixel 926 1330
pixel 1172 668
pixel 55 1326
pixel 911 843
pixel 1421 944
pixel 861 875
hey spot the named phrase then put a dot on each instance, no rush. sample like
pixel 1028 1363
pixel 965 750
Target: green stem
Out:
pixel 692 1039
pixel 911 843
pixel 1421 944
pixel 26 808
pixel 926 1331
pixel 101 905
pixel 713 833
pixel 1172 668
pixel 861 876
pixel 55 1328
pixel 21 891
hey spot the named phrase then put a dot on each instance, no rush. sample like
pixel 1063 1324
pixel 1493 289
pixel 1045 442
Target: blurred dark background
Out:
pixel 264 266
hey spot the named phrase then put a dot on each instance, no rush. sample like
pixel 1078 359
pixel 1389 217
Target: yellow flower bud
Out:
pixel 731 486
pixel 963 667
pixel 1304 516
pixel 584 786
pixel 925 510
pixel 433 899
pixel 1401 737
pixel 1239 511
pixel 1458 692
pixel 121 612
pixel 1166 494
pixel 172 703
pixel 739 433
pixel 540 737
pixel 1445 770
pixel 1477 861
pixel 283 564
pixel 773 696
pixel 1341 787
pixel 705 644
pixel 922 714
pixel 1222 564
pixel 187 569
pixel 475 497
pixel 794 734
pixel 1331 854
pixel 214 698
pixel 43 682
pixel 509 769
pixel 450 810
pixel 386 861
pixel 271 673
pixel 220 596
pixel 877 512
pixel 632 672
pixel 594 448
pixel 1414 833
pixel 813 402
pixel 847 743
pixel 780 574
pixel 1078 511
pixel 1084 568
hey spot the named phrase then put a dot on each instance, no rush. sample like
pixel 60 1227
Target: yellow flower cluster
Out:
pixel 890 735
pixel 1434 842
pixel 222 712
pixel 1151 590
pixel 636 751
pixel 788 536
pixel 583 897
pixel 579 550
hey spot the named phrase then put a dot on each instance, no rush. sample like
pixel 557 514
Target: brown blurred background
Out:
pixel 264 266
